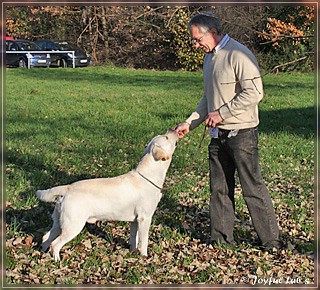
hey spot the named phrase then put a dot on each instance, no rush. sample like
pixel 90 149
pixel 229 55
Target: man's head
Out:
pixel 205 30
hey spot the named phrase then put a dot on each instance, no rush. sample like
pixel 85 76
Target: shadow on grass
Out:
pixel 298 122
pixel 116 78
pixel 191 220
pixel 115 141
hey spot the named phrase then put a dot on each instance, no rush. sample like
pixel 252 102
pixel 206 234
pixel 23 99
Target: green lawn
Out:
pixel 64 125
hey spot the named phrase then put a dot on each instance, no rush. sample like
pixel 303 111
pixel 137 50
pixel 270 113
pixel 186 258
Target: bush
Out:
pixel 186 56
pixel 289 36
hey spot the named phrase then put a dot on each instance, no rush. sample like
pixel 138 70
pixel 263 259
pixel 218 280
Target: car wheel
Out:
pixel 62 63
pixel 22 63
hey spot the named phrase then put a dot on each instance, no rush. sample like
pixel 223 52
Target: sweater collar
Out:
pixel 222 43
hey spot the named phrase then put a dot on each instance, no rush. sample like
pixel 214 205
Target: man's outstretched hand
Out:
pixel 182 129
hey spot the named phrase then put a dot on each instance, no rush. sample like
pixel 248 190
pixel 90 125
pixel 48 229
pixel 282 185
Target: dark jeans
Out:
pixel 225 156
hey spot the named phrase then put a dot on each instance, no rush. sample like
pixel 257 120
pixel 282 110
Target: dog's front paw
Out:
pixel 56 257
pixel 143 253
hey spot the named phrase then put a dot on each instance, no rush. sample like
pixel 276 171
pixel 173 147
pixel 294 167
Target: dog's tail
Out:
pixel 50 195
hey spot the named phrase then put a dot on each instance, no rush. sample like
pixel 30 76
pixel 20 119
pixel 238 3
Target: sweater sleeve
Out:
pixel 249 88
pixel 199 115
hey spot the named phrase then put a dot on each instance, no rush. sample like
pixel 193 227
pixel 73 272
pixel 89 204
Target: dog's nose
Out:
pixel 172 132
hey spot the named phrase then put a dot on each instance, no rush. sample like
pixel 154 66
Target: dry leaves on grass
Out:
pixel 178 249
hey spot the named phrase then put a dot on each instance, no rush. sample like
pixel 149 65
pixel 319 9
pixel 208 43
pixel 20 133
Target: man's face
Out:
pixel 206 41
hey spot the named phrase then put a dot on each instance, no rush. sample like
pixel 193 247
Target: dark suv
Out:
pixel 65 58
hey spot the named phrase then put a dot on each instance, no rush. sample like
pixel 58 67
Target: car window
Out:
pixel 14 47
pixel 11 46
pixel 63 45
pixel 41 44
pixel 52 46
pixel 28 46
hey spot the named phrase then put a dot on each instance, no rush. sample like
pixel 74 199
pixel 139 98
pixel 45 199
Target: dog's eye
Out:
pixel 167 137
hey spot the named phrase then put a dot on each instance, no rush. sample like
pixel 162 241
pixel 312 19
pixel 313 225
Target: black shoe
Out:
pixel 222 243
pixel 269 246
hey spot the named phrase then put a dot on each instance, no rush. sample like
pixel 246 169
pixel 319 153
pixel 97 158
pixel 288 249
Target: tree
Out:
pixel 289 35
pixel 157 36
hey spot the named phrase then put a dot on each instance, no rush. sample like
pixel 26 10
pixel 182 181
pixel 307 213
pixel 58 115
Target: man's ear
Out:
pixel 159 153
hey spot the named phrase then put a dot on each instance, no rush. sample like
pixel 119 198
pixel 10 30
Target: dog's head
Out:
pixel 162 146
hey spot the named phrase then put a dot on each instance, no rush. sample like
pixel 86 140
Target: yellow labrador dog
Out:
pixel 131 197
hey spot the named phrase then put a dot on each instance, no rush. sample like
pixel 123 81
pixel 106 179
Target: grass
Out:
pixel 63 125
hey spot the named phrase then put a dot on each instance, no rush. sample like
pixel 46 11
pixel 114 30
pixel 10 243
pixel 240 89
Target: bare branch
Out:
pixel 287 63
pixel 149 12
pixel 173 14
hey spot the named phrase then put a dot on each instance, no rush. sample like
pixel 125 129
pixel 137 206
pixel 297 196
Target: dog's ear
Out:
pixel 159 153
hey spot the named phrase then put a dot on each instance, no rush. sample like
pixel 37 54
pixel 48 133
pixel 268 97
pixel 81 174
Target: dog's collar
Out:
pixel 147 179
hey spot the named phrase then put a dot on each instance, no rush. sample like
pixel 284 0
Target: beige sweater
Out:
pixel 232 85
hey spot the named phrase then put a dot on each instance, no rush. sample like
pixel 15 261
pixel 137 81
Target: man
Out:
pixel 229 107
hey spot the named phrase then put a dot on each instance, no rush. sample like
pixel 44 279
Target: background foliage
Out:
pixel 158 38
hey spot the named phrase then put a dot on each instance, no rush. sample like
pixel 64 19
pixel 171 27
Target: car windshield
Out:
pixel 63 45
pixel 28 46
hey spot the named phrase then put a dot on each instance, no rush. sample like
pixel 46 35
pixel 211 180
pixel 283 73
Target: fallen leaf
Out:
pixel 28 241
pixel 87 244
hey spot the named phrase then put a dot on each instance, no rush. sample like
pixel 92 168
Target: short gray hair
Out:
pixel 205 21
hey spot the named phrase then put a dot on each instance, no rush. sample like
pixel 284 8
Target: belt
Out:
pixel 223 132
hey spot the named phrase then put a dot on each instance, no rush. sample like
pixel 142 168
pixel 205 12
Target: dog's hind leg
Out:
pixel 133 235
pixel 143 232
pixel 55 230
pixel 67 234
